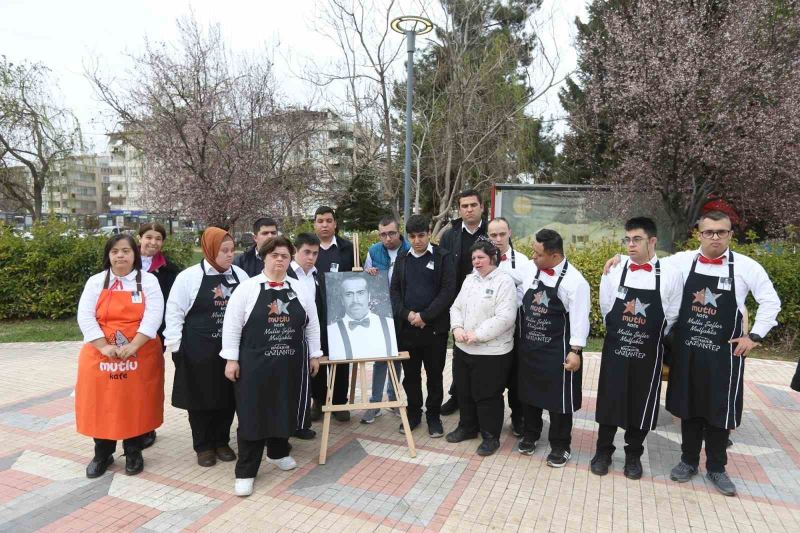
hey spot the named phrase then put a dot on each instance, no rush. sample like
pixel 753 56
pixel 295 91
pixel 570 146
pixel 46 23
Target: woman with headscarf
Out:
pixel 120 390
pixel 270 339
pixel 152 236
pixel 195 310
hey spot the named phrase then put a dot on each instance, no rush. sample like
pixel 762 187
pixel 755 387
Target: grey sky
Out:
pixel 65 35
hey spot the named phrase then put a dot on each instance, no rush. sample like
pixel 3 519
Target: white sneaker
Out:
pixel 284 463
pixel 243 487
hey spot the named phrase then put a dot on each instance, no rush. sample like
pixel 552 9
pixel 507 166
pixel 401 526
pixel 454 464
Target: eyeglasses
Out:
pixel 635 240
pixel 720 233
pixel 388 235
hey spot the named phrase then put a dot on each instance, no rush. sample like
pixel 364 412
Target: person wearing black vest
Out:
pixel 335 255
pixel 264 229
pixel 422 289
pixel 458 239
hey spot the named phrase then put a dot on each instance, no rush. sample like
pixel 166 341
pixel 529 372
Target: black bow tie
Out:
pixel 355 323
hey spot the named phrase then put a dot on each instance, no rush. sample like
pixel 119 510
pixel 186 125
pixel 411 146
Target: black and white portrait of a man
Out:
pixel 360 322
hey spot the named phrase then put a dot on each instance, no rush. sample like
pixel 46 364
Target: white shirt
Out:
pixel 153 304
pixel 465 228
pixel 671 287
pixel 575 294
pixel 241 305
pixel 365 342
pixel 392 259
pixel 147 260
pixel 428 250
pixel 522 273
pixel 333 241
pixel 182 297
pixel 308 281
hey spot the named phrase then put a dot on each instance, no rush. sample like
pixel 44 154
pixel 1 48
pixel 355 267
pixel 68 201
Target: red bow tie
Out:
pixel 548 271
pixel 706 261
pixel 116 286
pixel 275 283
pixel 503 257
pixel 647 267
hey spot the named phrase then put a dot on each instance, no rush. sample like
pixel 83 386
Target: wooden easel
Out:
pixel 329 407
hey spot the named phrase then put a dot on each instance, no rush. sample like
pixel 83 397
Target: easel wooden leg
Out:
pixel 363 369
pixel 326 419
pixel 412 451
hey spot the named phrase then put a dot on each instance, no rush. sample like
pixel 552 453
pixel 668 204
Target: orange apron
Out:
pixel 118 399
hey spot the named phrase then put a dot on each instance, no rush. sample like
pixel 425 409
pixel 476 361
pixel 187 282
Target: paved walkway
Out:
pixel 370 484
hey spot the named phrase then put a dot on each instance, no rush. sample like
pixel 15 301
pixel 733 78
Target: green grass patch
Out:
pixel 40 330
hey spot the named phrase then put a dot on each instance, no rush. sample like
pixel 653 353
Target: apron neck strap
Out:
pixel 561 276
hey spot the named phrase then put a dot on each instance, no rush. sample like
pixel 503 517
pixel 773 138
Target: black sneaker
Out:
pixel 526 446
pixel 517 427
pixel 98 467
pixel 488 446
pixel 450 406
pixel 435 429
pixel 460 434
pixel 633 467
pixel 558 458
pixel 682 472
pixel 134 463
pixel 412 424
pixel 305 434
pixel 722 482
pixel 148 439
pixel 600 464
pixel 342 416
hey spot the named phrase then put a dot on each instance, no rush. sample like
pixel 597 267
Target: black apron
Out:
pixel 200 382
pixel 543 347
pixel 705 378
pixel 629 388
pixel 272 389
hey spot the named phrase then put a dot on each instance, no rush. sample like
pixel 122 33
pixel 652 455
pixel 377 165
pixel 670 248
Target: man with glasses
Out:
pixel 381 258
pixel 705 387
pixel 640 300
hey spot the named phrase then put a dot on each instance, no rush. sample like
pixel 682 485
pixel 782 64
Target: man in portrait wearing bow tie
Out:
pixel 640 299
pixel 360 333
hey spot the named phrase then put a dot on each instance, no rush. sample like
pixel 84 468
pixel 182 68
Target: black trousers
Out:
pixel 104 447
pixel 211 429
pixel 513 383
pixel 453 390
pixel 480 380
pixel 634 440
pixel 341 389
pixel 431 351
pixel 319 385
pixel 560 434
pixel 693 432
pixel 252 451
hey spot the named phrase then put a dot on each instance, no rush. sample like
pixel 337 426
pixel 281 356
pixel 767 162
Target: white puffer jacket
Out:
pixel 487 306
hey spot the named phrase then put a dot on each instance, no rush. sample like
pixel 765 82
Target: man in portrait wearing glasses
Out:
pixel 381 258
pixel 705 387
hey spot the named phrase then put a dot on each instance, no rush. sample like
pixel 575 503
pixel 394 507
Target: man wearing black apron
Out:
pixel 640 300
pixel 706 373
pixel 554 325
pixel 200 386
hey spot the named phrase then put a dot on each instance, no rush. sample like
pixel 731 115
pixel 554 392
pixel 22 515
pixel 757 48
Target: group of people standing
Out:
pixel 246 334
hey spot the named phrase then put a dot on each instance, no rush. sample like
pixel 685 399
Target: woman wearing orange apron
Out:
pixel 120 389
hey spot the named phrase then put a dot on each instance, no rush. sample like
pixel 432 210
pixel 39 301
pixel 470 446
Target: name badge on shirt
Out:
pixel 291 295
pixel 488 293
pixel 429 266
pixel 725 284
pixel 535 284
pixel 334 267
pixel 622 292
pixel 136 297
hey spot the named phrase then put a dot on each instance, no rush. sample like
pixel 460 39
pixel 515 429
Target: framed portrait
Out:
pixel 359 315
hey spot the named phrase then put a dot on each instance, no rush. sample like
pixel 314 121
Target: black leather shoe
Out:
pixel 225 453
pixel 342 416
pixel 460 434
pixel 98 467
pixel 488 446
pixel 633 467
pixel 305 434
pixel 207 458
pixel 134 463
pixel 600 464
pixel 148 439
pixel 316 412
pixel 450 406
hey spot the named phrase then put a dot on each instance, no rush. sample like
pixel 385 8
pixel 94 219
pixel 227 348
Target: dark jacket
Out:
pixel 437 314
pixel 345 254
pixel 451 238
pixel 249 262
pixel 319 299
pixel 165 275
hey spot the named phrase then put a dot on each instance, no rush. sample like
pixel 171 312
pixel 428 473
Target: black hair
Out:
pixel 114 239
pixel 388 219
pixel 486 246
pixel 324 210
pixel 418 224
pixel 550 240
pixel 306 239
pixel 714 215
pixel 467 193
pixel 645 224
pixel 276 242
pixel 264 221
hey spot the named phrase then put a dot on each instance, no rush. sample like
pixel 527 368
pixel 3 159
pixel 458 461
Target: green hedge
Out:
pixel 44 276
